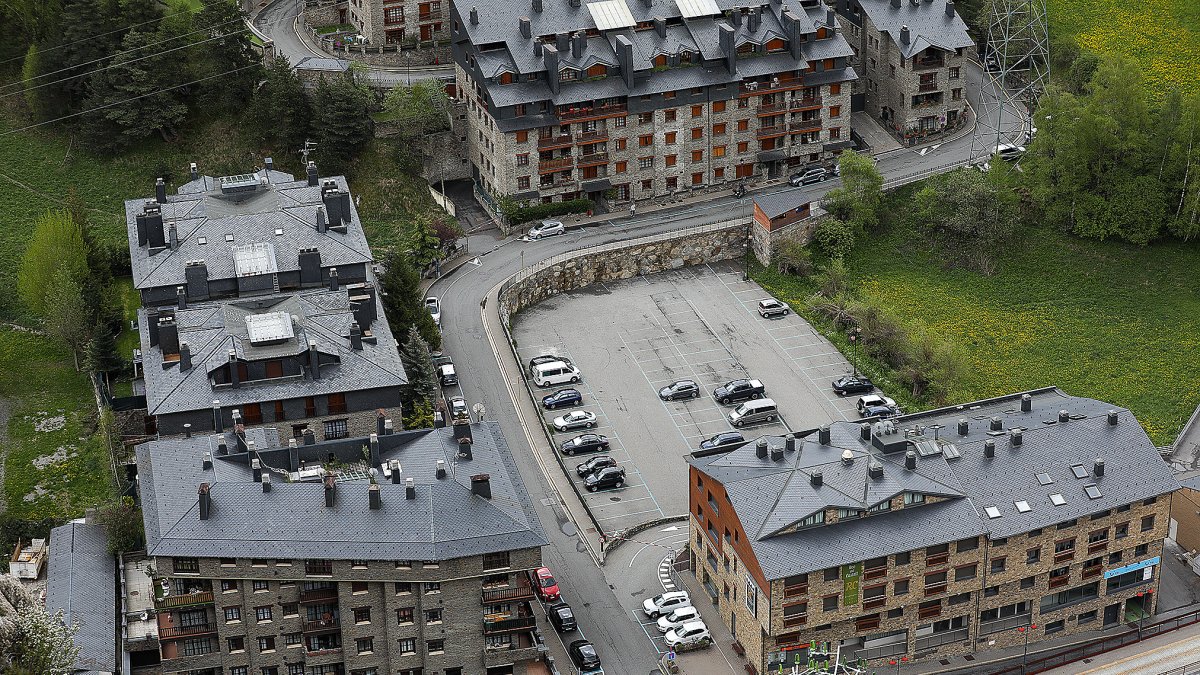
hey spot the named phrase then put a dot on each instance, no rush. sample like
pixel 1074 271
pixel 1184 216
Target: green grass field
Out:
pixel 1099 319
pixel 1163 36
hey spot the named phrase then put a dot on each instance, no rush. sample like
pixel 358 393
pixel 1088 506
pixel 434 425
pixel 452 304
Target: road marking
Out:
pixel 627 515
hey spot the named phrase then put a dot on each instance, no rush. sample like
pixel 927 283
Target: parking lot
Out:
pixel 631 338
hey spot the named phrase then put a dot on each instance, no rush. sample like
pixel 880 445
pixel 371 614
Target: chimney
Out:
pixel 322 224
pixel 256 468
pixel 172 235
pixel 550 58
pixel 205 501
pixel 823 434
pixel 155 237
pixel 963 427
pixel 440 472
pixel 760 448
pixel 950 8
pixel 379 422
pixel 660 26
pixel 206 464
pixel 648 3
pixel 725 41
pixel 574 3
pixel 222 446
pixel 789 443
pixel 526 31
pixel 374 444
pixel 578 41
pixel 481 484
pixel 904 38
pixel 1026 403
pixel 269 163
pixel 330 490
pixel 333 205
pixel 394 469
pixel 410 488
pixel 537 6
pixel 625 57
pixel 989 448
pixel 194 170
pixel 355 336
pixel 195 275
pixel 310 262
pixel 160 191
pixel 266 482
pixel 816 478
pixel 1112 418
pixel 373 497
pixel 776 454
pixel 309 437
pixel 168 335
pixel 736 16
pixel 474 16
pixel 346 211
pixel 1063 415
pixel 314 360
pixel 218 419
pixel 875 471
pixel 313 180
pixel 831 19
pixel 233 368
pixel 180 297
pixel 185 357
pixel 752 20
pixel 791 31
pixel 1098 467
pixel 333 279
pixel 895 4
pixel 293 455
pixel 388 429
pixel 847 457
pixel 996 424
pixel 864 431
pixel 1015 437
pixel 910 460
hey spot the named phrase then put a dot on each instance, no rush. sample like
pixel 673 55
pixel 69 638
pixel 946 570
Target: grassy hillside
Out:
pixel 1162 35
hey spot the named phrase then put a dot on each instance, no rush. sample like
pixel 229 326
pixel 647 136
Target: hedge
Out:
pixel 524 214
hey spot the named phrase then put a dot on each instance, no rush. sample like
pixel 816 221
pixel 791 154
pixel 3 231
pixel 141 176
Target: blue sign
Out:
pixel 671 655
pixel 1132 567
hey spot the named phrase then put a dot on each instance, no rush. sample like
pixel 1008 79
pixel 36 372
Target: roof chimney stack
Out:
pixel 379 422
pixel 950 8
pixel 823 434
pixel 266 482
pixel 207 461
pixel 293 455
pixel 373 497
pixel 269 163
pixel 333 279
pixel 373 441
pixel 194 170
pixel 355 337
pixel 172 235
pixel 989 448
pixel 481 484
pixel 776 454
pixel 1112 418
pixel 205 501
pixel 222 446
pixel 1026 403
pixel 1098 467
pixel 256 467
pixel 330 490
pixel 1015 437
pixel 578 41
pixel 410 488
pixel 1063 415
pixel 831 19
pixel 233 369
pixel 218 422
pixel 864 431
pixel 180 293
pixel 904 35
pixel 526 31
pixel 322 223
pixel 996 424
pixel 875 471
pixel 847 457
pixel 394 469
pixel 660 26
pixel 789 443
pixel 314 361
pixel 388 428
pixel 309 437
pixel 160 191
pixel 895 4
pixel 816 478
pixel 963 426
pixel 313 179
pixel 474 16
pixel 910 460
pixel 187 430
pixel 441 469
pixel 760 448
pixel 537 6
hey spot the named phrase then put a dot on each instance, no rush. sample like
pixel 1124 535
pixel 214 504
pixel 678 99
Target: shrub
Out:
pixel 794 258
pixel 518 214
pixel 834 237
pixel 122 521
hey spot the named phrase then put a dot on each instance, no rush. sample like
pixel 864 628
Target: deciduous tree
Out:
pixel 122 521
pixel 857 201
pixel 57 244
pixel 970 215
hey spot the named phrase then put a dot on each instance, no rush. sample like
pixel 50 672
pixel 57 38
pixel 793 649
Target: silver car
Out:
pixel 547 228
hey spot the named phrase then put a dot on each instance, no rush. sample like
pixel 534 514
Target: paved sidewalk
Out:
pixel 720 658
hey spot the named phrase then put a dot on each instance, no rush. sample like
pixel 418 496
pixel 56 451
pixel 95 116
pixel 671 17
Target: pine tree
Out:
pixel 280 112
pixel 342 121
pixel 223 48
pixel 101 357
pixel 418 366
pixel 403 303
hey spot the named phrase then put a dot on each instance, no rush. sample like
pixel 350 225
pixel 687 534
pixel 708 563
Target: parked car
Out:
pixel 547 358
pixel 435 309
pixel 584 656
pixel 447 375
pixel 584 443
pixel 608 477
pixel 724 439
pixel 1009 152
pixel 680 389
pixel 687 635
pixel 769 307
pixel 594 464
pixel 734 391
pixel 440 359
pixel 873 405
pixel 547 228
pixel 665 603
pixel 555 372
pixel 852 384
pixel 561 617
pixel 562 398
pixel 677 618
pixel 753 412
pixel 458 408
pixel 576 419
pixel 544 584
pixel 814 175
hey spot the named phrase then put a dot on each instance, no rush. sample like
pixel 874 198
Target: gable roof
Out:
pixel 928 23
pixel 82 583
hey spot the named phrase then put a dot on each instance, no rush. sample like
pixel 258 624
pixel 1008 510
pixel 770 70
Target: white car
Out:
pixel 435 309
pixel 576 419
pixel 769 307
pixel 677 618
pixel 870 400
pixel 458 408
pixel 1009 152
pixel 665 603
pixel 689 634
pixel 547 228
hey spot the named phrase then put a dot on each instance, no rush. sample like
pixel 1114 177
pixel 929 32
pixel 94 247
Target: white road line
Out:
pixel 628 515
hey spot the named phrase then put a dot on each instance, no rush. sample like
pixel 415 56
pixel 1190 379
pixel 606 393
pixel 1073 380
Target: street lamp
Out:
pixel 854 332
pixel 1025 630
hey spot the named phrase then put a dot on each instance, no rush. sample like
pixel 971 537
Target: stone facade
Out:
pixel 1185 511
pixel 906 607
pixel 458 616
pixel 765 240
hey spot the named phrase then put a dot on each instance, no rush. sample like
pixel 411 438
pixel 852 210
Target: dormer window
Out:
pixel 815 519
pixel 849 514
pixel 913 498
pixel 568 75
pixel 506 78
pixel 885 505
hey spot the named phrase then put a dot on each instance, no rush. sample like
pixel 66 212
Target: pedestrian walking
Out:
pixel 631 210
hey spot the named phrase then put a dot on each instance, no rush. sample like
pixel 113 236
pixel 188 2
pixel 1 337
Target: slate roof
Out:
pixel 201 213
pixel 927 21
pixel 82 583
pixel 771 497
pixel 211 329
pixel 446 520
pixel 778 203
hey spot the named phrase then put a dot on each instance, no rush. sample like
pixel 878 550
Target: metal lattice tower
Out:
pixel 1016 61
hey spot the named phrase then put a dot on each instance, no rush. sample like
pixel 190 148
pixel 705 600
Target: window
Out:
pixel 743 146
pixel 991 591
pixel 697 110
pixel 620 143
pixel 697 133
pixel 835 111
pixel 645 162
pixel 357 587
pixel 228 585
pixel 433 616
pixel 698 179
pixel 269 670
pixel 965 573
pixel 959 598
pixel 237 644
pixel 697 156
pixel 903 558
pixel 1141 549
pixel 1147 523
pixel 1114 558
pixel 832 574
pixel 1079 471
pixel 228 562
pixel 648 185
pixel 1121 531
pixel 1000 542
pixel 523 182
pixel 954 73
pixel 408 646
pixel 956 94
pixel 895 613
pixel 1045 479
pixel 233 614
pixel 645 140
pixel 436 646
pixel 621 167
pixel 743 125
pixel 1074 595
pixel 829 603
pixel 893 73
pixel 1150 502
pixel 262 613
pixel 718 129
pixel 718 106
pixel 291 639
pixel 620 122
pixel 1033 555
pixel 1057 499
pixel 669 115
pixel 1086 617
pixel 432 587
pixel 522 136
pixel 1028 582
pixel 238 670
pixel 835 89
pixel 718 151
pixel 365 645
pixel 964 545
pixel 669 138
pixel 1022 506
pixel 523 159
pixel 260 585
pixel 645 118
pixel 185 565
pixel 998 564
pixel 336 429
pixel 992 512
pixel 1067 524
pixel 291 609
pixel 405 615
pixel 266 644
pixel 913 498
pixel 495 561
pixel 670 159
pixel 900 587
pixel 403 587
pixel 1035 533
pixel 362 615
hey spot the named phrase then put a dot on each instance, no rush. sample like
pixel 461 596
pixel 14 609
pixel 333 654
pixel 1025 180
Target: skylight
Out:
pixel 1079 471
pixel 1057 499
pixel 992 512
pixel 1023 506
pixel 1092 492
pixel 1044 478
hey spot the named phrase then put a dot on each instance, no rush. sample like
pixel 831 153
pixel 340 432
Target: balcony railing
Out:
pixel 875 573
pixel 173 632
pixel 591 136
pixel 184 600
pixel 805 102
pixel 874 602
pixel 868 623
pixel 1089 572
pixel 563 182
pixel 610 110
pixel 772 108
pixel 794 591
pixel 937 559
pixel 494 595
pixel 804 126
pixel 767 132
pixel 513 625
pixel 747 88
pixel 795 620
pixel 939 639
pixel 321 626
pixel 329 651
pixel 1097 546
pixel 882 652
pixel 1064 556
pixel 591 158
pixel 318 595
pixel 559 164
pixel 1001 625
pixel 928 612
pixel 926 64
pixel 1055 582
pixel 928 86
pixel 935 589
pixel 431 15
pixel 561 140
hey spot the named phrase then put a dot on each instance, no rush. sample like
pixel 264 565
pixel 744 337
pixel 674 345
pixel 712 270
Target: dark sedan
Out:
pixel 736 391
pixel 680 389
pixel 562 617
pixel 611 477
pixel 583 654
pixel 852 384
pixel 585 443
pixel 727 439
pixel 561 398
pixel 595 464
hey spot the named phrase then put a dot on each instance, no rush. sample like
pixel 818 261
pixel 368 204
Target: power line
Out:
pixel 4 95
pixel 20 83
pixel 117 103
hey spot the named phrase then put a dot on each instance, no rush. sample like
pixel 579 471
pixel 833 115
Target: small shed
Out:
pixel 778 210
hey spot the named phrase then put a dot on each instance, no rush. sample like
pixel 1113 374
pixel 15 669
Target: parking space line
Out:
pixel 627 515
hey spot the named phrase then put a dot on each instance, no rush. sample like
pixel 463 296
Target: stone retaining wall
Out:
pixel 764 242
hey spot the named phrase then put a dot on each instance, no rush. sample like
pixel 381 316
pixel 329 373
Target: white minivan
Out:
pixel 753 412
pixel 555 372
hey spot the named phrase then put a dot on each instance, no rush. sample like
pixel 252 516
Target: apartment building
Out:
pixel 401 553
pixel 397 22
pixel 625 100
pixel 910 56
pixel 941 533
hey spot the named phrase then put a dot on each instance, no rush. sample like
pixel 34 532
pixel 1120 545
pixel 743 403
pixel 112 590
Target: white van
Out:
pixel 752 412
pixel 555 372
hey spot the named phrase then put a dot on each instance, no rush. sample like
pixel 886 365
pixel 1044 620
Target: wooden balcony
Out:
pixel 866 623
pixel 927 86
pixel 874 602
pixel 558 141
pixel 935 589
pixel 596 136
pixel 1089 572
pixel 316 653
pixel 318 595
pixel 431 15
pixel 768 87
pixel 591 159
pixel 516 624
pixel 875 573
pixel 611 110
pixel 564 182
pixel 772 109
pixel 495 595
pixel 185 600
pixel 795 620
pixel 806 102
pixel 929 612
pixel 329 626
pixel 804 127
pixel 552 165
pixel 1098 546
pixel 937 559
pixel 926 64
pixel 795 591
pixel 1056 582
pixel 1064 556
pixel 768 132
pixel 174 632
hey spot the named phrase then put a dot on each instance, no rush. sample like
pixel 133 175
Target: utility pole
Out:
pixel 309 146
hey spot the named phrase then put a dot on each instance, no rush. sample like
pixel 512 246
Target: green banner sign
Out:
pixel 851 574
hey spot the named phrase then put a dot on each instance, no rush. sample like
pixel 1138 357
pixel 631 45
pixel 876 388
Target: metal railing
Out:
pixel 1001 625
pixel 939 639
pixel 519 592
pixel 554 141
pixel 173 632
pixel 184 600
pixel 598 111
pixel 509 625
pixel 591 158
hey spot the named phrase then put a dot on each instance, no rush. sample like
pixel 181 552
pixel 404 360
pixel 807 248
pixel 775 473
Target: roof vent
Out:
pixel 875 471
pixel 526 30
pixel 864 431
pixel 963 427
pixel 330 490
pixel 1014 437
pixel 537 7
pixel 760 448
pixel 816 479
pixel 441 469
pixel 256 467
pixel 895 4
pixel 910 460
pixel 823 434
pixel 266 482
pixel 1098 467
pixel 847 456
pixel 481 484
pixel 374 499
pixel 410 488
pixel 777 454
pixel 996 424
pixel 1026 403
pixel 1063 415
pixel 989 448
pixel 205 501
pixel 1112 418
